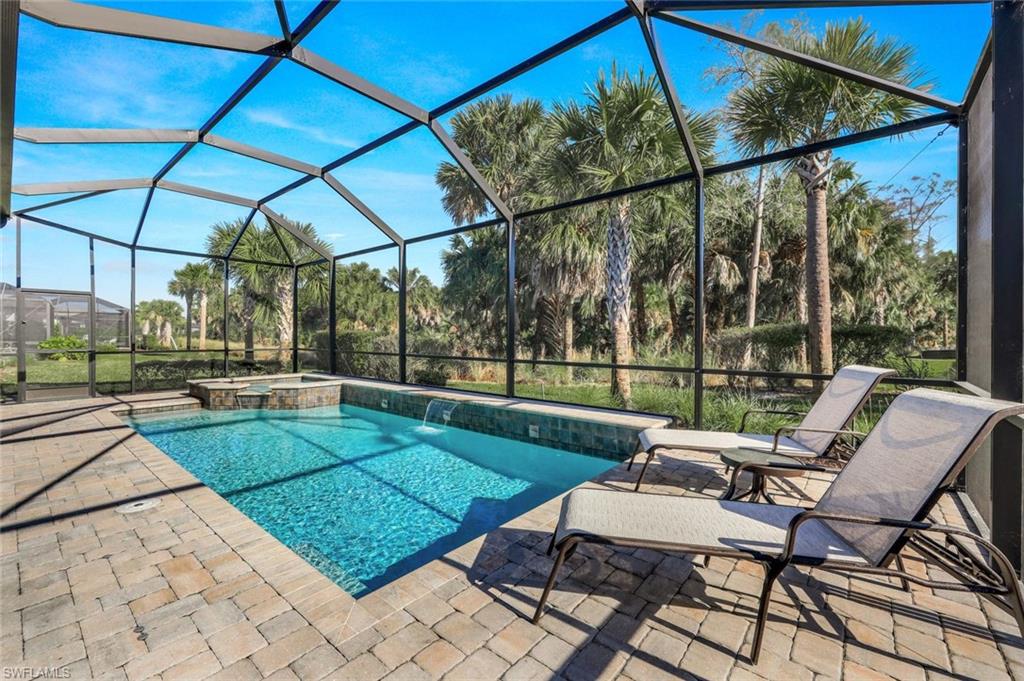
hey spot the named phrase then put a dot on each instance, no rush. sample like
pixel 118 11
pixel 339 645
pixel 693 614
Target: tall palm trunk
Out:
pixel 248 325
pixel 188 322
pixel 754 268
pixel 167 334
pixel 801 313
pixel 819 295
pixel 203 302
pixel 568 342
pixel 814 170
pixel 640 295
pixel 283 292
pixel 617 295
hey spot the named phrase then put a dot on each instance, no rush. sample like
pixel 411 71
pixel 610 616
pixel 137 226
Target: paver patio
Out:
pixel 193 589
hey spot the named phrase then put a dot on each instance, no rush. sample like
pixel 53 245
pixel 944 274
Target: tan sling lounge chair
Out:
pixel 843 397
pixel 877 504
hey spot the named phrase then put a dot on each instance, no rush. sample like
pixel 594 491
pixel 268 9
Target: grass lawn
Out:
pixel 723 408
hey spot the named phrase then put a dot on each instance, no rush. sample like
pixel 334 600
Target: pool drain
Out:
pixel 137 506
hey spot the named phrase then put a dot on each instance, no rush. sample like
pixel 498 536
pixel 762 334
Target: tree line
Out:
pixel 802 244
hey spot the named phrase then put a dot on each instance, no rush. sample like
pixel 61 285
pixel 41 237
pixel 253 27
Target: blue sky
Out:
pixel 426 52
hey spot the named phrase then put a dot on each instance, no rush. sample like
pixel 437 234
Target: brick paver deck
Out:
pixel 192 589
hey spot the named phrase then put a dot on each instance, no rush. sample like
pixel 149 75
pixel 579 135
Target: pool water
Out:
pixel 362 495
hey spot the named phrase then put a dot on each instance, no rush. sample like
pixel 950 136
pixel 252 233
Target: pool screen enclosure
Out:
pixel 995 88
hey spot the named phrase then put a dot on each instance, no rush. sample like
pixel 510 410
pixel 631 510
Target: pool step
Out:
pixel 329 568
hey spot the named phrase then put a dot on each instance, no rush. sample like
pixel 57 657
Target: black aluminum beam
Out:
pixel 555 50
pixel 698 304
pixel 318 14
pixel 252 81
pixel 8 75
pixel 773 157
pixel 370 146
pixel 363 209
pixel 75 230
pixel 332 318
pixel 281 243
pixel 510 308
pixel 1007 288
pixel 87 17
pixel 241 233
pixel 332 71
pixel 668 86
pixel 364 251
pixel 978 75
pixel 282 19
pixel 285 224
pixel 142 215
pixel 843 72
pixel 467 166
pixel 962 215
pixel 559 48
pixel 403 349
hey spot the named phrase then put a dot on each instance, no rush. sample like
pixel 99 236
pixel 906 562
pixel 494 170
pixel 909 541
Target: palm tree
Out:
pixel 620 135
pixel 194 280
pixel 266 288
pixel 159 317
pixel 786 105
pixel 503 140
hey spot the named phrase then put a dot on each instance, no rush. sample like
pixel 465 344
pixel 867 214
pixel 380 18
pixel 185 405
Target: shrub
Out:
pixel 775 347
pixel 64 343
pixel 868 344
pixel 154 374
pixel 435 372
pixel 350 343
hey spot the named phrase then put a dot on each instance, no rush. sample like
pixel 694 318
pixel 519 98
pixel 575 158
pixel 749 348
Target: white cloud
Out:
pixel 279 120
pixel 112 81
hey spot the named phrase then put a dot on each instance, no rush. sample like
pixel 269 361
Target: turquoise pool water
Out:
pixel 363 495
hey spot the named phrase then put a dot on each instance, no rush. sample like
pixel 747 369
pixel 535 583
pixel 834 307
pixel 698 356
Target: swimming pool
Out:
pixel 364 496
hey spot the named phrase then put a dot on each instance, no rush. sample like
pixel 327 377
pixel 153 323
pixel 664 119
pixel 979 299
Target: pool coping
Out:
pixel 337 614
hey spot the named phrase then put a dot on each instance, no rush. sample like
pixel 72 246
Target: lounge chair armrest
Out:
pixel 789 430
pixel 767 468
pixel 800 519
pixel 781 412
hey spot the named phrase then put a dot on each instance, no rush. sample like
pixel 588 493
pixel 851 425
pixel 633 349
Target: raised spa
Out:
pixel 279 391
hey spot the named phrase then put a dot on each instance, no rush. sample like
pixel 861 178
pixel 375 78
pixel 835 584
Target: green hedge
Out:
pixel 170 374
pixel 349 343
pixel 776 347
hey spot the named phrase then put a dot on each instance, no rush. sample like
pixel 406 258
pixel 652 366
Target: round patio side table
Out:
pixel 758 489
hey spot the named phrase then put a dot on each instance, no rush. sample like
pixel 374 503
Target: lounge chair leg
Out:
pixel 705 559
pixel 639 448
pixel 569 543
pixel 640 478
pixel 772 572
pixel 1014 596
pixel 904 584
pixel 551 544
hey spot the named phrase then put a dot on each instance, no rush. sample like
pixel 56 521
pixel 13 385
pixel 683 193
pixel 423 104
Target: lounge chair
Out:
pixel 843 397
pixel 875 506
